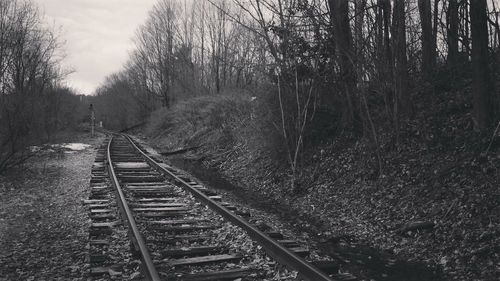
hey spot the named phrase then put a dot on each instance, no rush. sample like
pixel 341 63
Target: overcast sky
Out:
pixel 97 35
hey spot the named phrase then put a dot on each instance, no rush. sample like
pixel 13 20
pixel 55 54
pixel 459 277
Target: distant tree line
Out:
pixel 357 62
pixel 33 104
pixel 182 51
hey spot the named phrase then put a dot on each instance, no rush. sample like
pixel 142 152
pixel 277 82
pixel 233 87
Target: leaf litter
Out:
pixel 43 224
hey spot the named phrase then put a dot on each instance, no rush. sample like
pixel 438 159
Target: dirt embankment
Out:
pixel 436 201
pixel 43 223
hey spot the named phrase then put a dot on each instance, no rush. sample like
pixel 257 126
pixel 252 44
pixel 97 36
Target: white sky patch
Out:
pixel 97 35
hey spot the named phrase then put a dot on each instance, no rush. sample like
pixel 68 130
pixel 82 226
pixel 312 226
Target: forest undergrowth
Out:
pixel 436 200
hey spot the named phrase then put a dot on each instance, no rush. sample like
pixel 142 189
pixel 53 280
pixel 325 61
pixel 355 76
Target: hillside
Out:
pixel 441 179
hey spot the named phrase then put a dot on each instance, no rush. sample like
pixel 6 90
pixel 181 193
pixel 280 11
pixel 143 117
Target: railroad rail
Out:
pixel 160 205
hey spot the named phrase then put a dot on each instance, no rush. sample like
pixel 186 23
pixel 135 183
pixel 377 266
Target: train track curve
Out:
pixel 175 223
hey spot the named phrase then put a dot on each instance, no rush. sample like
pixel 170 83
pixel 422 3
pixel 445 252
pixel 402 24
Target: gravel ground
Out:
pixel 43 224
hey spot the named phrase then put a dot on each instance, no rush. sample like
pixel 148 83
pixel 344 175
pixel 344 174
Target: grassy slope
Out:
pixel 439 173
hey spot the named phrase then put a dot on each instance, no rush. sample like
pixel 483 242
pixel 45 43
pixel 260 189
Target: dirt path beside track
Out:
pixel 43 224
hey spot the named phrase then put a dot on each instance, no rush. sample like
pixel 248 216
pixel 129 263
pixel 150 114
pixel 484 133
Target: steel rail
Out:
pixel 138 241
pixel 272 248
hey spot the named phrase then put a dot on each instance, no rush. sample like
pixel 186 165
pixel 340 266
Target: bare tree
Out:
pixel 484 103
pixel 339 14
pixel 428 37
pixel 452 30
pixel 357 59
pixel 400 70
pixel 28 66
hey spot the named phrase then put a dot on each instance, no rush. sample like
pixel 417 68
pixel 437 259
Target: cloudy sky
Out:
pixel 97 35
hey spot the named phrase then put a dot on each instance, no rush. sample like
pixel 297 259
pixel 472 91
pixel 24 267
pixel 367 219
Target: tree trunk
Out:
pixel 202 39
pixel 385 54
pixel 358 28
pixel 452 22
pixel 400 69
pixel 359 10
pixel 343 36
pixel 428 48
pixel 380 37
pixel 465 27
pixel 481 81
pixel 435 32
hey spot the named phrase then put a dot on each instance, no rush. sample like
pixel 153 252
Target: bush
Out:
pixel 221 123
pixel 207 119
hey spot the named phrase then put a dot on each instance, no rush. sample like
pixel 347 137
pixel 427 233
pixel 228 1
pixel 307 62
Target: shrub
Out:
pixel 203 120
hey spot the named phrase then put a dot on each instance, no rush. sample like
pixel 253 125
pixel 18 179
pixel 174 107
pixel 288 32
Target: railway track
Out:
pixel 179 229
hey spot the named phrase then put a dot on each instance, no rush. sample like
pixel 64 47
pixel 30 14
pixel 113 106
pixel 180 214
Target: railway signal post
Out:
pixel 92 119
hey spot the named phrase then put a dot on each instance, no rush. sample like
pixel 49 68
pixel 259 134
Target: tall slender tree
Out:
pixel 483 111
pixel 428 42
pixel 452 30
pixel 400 69
pixel 339 14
